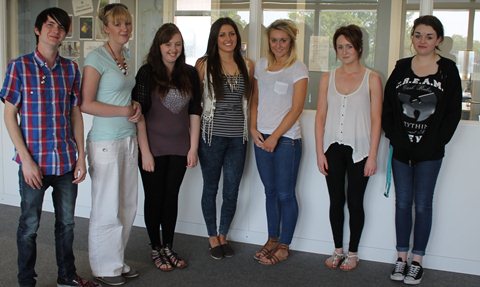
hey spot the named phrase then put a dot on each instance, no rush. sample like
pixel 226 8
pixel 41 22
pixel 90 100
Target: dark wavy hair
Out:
pixel 353 34
pixel 214 66
pixel 57 14
pixel 160 77
pixel 432 21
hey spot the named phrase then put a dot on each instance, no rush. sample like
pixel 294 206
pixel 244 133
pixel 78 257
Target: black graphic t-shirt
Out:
pixel 418 97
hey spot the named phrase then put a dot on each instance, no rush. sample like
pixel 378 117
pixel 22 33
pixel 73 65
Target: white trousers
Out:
pixel 113 168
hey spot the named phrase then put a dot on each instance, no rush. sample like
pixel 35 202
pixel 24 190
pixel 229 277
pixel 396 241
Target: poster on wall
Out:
pixel 86 28
pixel 318 56
pixel 70 49
pixel 82 7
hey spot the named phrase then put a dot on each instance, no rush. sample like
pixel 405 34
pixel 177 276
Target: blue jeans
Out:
pixel 278 171
pixel 227 154
pixel 64 196
pixel 414 184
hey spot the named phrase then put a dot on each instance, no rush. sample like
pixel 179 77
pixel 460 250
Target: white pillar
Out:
pixel 426 7
pixel 395 42
pixel 254 32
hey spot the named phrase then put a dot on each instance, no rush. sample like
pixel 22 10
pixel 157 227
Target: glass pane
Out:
pixel 473 82
pixel 196 28
pixel 455 25
pixel 27 13
pixel 189 5
pixel 150 18
pixel 366 19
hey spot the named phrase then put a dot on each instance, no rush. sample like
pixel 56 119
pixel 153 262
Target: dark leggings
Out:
pixel 161 197
pixel 339 158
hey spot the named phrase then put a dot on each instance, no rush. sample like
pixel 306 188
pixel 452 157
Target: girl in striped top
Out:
pixel 226 78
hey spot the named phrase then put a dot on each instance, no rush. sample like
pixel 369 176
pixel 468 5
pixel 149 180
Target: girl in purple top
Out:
pixel 169 92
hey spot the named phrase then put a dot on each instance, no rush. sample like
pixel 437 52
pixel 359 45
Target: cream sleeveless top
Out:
pixel 348 118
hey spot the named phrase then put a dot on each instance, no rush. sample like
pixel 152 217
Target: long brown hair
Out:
pixel 214 66
pixel 161 79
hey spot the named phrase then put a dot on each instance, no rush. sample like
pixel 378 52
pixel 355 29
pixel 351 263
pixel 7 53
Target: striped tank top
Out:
pixel 228 119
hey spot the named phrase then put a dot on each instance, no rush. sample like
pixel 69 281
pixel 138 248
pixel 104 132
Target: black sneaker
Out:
pixel 77 281
pixel 216 252
pixel 227 250
pixel 399 271
pixel 414 275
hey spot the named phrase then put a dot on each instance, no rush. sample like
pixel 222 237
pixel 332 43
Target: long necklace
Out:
pixel 124 67
pixel 232 80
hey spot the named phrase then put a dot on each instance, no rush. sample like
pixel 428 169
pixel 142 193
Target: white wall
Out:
pixel 455 233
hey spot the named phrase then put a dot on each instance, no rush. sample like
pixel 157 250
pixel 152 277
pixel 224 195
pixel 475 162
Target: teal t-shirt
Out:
pixel 114 88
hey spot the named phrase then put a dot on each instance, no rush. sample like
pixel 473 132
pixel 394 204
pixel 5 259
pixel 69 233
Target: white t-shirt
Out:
pixel 275 95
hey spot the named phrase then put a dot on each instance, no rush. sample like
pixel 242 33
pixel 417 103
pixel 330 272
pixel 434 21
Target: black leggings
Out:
pixel 339 158
pixel 161 197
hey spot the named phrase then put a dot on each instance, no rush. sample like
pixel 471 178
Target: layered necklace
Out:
pixel 123 67
pixel 232 80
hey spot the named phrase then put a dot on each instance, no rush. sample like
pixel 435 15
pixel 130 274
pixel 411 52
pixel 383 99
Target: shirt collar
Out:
pixel 41 61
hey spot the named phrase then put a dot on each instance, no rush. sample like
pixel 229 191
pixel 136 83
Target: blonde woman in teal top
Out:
pixel 111 147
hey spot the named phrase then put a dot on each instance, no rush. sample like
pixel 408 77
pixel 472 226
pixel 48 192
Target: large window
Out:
pixel 195 18
pixel 317 22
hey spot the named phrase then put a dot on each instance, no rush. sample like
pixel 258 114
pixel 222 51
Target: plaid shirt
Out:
pixel 44 98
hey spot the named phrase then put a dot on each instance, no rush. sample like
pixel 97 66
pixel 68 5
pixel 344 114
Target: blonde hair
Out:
pixel 291 30
pixel 115 12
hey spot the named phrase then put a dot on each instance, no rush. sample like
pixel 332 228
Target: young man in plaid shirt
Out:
pixel 43 89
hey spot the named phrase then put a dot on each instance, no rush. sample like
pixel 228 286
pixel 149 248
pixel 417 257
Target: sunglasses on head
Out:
pixel 109 7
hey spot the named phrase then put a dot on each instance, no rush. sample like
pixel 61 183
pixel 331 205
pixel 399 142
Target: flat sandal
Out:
pixel 336 260
pixel 272 258
pixel 160 261
pixel 264 251
pixel 346 264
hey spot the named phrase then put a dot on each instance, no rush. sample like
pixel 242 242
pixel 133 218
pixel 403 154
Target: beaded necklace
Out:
pixel 124 67
pixel 232 79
